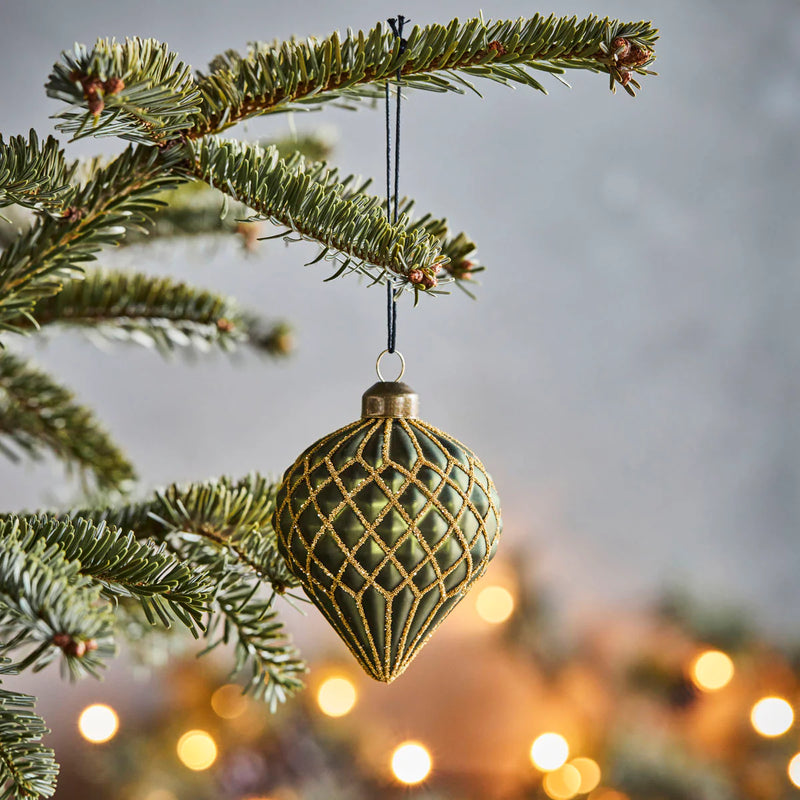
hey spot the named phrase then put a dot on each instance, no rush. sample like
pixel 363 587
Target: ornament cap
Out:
pixel 390 399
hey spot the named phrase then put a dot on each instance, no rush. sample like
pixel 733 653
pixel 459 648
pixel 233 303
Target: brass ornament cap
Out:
pixel 387 523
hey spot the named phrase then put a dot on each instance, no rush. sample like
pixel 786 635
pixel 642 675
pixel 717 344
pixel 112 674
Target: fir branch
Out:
pixel 27 768
pixel 278 76
pixel 38 415
pixel 135 89
pixel 34 175
pixel 263 654
pixel 157 312
pixel 352 230
pixel 227 514
pixel 117 196
pixel 223 528
pixel 48 606
pixel 163 585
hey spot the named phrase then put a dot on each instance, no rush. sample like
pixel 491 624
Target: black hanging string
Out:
pixel 391 304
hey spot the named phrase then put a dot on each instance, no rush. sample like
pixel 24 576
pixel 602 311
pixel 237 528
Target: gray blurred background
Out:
pixel 629 373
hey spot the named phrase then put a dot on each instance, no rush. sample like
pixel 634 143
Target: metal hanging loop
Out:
pixel 402 365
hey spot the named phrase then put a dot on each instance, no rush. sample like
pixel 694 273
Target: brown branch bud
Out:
pixel 113 85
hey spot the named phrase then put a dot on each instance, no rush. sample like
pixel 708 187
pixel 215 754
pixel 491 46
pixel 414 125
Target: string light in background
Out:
pixel 549 751
pixel 794 770
pixel 589 771
pixel 607 794
pixel 160 794
pixel 228 701
pixel 494 604
pixel 411 763
pixel 772 716
pixel 197 750
pixel 98 723
pixel 562 783
pixel 336 696
pixel 712 670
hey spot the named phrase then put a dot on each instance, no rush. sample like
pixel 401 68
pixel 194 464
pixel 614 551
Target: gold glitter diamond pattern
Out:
pixel 387 523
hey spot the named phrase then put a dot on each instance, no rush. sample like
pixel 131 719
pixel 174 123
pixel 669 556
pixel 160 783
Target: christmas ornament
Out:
pixel 386 523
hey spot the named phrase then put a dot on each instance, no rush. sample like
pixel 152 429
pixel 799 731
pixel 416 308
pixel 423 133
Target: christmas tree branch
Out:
pixel 27 768
pixel 33 175
pixel 300 74
pixel 37 414
pixel 225 514
pixel 352 229
pixel 223 528
pixel 135 89
pixel 163 585
pixel 117 196
pixel 48 606
pixel 157 312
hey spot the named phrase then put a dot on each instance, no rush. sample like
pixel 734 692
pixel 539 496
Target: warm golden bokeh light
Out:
pixel 607 794
pixel 494 604
pixel 160 794
pixel 336 697
pixel 712 670
pixel 794 770
pixel 772 716
pixel 411 763
pixel 549 751
pixel 197 750
pixel 589 771
pixel 563 783
pixel 228 701
pixel 98 723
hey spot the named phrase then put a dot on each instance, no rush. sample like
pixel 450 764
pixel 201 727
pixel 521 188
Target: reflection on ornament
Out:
pixel 98 723
pixel 387 523
pixel 411 763
pixel 549 751
pixel 712 670
pixel 772 716
pixel 563 783
pixel 589 771
pixel 794 770
pixel 197 750
pixel 494 604
pixel 228 701
pixel 336 697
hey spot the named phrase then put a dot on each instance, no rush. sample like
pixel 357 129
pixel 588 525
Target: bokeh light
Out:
pixel 228 701
pixel 197 750
pixel 589 771
pixel 794 770
pixel 336 697
pixel 607 794
pixel 712 670
pixel 494 604
pixel 411 763
pixel 563 783
pixel 98 723
pixel 549 751
pixel 160 794
pixel 772 716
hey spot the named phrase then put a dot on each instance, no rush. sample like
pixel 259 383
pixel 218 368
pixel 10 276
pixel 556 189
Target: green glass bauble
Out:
pixel 387 523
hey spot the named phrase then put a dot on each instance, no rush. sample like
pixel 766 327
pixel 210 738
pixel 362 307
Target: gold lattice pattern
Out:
pixel 387 522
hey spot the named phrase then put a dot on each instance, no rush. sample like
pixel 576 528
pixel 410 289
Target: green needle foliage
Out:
pixel 136 90
pixel 164 586
pixel 157 312
pixel 279 76
pixel 203 554
pixel 38 415
pixel 33 175
pixel 28 769
pixel 118 196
